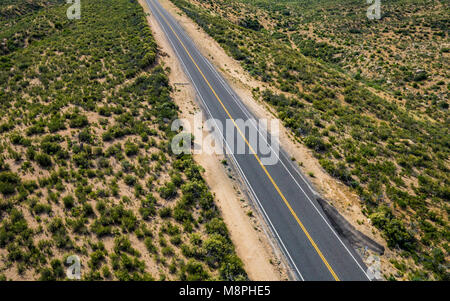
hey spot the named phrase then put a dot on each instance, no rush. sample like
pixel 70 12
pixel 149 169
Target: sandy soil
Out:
pixel 261 261
pixel 340 196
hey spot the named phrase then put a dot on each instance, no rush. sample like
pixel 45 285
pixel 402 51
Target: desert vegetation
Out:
pixel 85 163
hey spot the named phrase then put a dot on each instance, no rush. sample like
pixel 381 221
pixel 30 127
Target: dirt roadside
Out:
pixel 252 245
pixel 340 196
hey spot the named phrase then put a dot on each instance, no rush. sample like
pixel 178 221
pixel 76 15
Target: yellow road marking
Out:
pixel 256 156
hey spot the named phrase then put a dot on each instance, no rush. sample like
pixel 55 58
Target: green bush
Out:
pixel 394 230
pixel 131 149
pixel 195 271
pixel 130 180
pixel 43 160
pixel 168 191
pixel 68 201
pixel 165 212
pixel 9 181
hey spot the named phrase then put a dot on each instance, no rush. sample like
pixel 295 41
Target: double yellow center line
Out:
pixel 255 154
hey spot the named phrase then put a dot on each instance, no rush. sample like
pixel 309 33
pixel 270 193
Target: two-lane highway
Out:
pixel 312 247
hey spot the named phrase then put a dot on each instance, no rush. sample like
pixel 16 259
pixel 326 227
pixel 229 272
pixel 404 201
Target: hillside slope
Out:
pixel 85 161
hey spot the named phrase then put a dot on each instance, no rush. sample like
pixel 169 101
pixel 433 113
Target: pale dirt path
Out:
pixel 339 195
pixel 252 245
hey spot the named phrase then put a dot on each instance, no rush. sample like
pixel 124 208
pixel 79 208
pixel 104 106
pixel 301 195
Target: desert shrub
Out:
pixel 101 228
pixel 131 149
pixel 9 182
pixel 165 212
pixel 194 271
pixel 316 143
pixel 176 240
pixel 147 208
pixel 40 208
pixel 216 247
pixel 68 201
pixel 216 226
pixel 96 259
pixel 43 160
pixel 251 23
pixel 78 121
pixel 130 180
pixel 232 269
pixel 20 140
pixel 394 230
pixel 168 191
pixel 150 246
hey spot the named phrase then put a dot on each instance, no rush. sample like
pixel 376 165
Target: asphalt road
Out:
pixel 312 247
